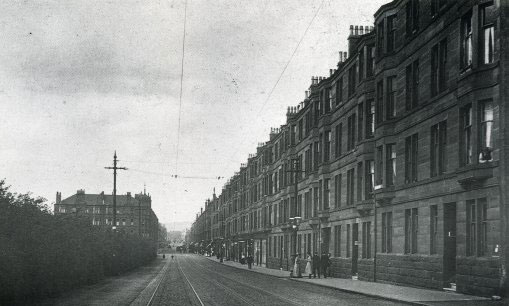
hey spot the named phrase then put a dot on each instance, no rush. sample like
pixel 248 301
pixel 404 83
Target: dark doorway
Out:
pixel 326 240
pixel 449 244
pixel 355 248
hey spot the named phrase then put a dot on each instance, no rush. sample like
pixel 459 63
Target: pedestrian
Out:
pixel 329 264
pixel 324 260
pixel 316 265
pixel 249 261
pixel 308 269
pixel 296 268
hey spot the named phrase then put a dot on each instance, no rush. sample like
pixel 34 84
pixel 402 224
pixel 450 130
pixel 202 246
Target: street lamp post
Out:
pixel 294 222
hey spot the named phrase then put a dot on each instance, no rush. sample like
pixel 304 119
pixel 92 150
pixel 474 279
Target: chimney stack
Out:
pixel 59 198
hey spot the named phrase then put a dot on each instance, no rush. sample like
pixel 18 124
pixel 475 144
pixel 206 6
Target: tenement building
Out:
pixel 134 214
pixel 396 163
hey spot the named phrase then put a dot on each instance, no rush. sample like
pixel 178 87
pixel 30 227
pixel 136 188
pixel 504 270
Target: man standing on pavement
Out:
pixel 316 265
pixel 249 261
pixel 325 264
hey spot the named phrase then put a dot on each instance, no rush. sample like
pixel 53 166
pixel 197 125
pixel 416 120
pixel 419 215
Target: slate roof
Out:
pixel 97 199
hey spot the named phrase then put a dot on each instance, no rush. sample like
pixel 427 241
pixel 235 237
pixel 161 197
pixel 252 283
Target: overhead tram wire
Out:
pixel 181 86
pixel 178 176
pixel 284 69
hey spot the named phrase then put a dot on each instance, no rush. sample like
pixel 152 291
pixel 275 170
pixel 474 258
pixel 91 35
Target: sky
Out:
pixel 81 79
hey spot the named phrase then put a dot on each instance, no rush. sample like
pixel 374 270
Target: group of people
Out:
pixel 314 265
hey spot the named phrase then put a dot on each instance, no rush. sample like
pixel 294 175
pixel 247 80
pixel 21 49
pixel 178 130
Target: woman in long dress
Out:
pixel 308 269
pixel 296 268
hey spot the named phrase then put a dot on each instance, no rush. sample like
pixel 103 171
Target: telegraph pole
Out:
pixel 115 168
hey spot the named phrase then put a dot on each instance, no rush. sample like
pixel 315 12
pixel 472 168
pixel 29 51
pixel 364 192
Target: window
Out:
pixel 317 154
pixel 370 179
pixel 370 61
pixel 301 129
pixel 391 33
pixel 438 66
pixel 438 148
pixel 329 92
pixel 379 165
pixel 339 91
pixel 487 33
pixel 390 166
pixel 337 241
pixel 412 85
pixel 370 118
pixel 316 200
pixel 433 229
pixel 351 133
pixel 361 64
pixel 308 124
pixel 327 147
pixel 351 79
pixel 466 135
pixel 411 230
pixel 339 139
pixel 380 37
pixel 307 205
pixel 477 227
pixel 360 121
pixel 411 154
pixel 360 183
pixel 387 232
pixel 391 98
pixel 293 131
pixel 349 186
pixel 316 108
pixel 337 190
pixel 366 239
pixel 486 127
pixel 412 17
pixel 308 159
pixel 466 41
pixel 348 237
pixel 326 100
pixel 379 101
pixel 326 194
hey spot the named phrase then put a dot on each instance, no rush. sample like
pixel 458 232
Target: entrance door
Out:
pixel 263 252
pixel 355 248
pixel 449 244
pixel 326 240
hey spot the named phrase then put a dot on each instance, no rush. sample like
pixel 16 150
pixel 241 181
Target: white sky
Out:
pixel 82 78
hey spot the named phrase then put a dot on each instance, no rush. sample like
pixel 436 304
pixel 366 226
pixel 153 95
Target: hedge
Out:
pixel 43 255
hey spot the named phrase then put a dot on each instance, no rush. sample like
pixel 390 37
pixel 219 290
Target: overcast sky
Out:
pixel 80 79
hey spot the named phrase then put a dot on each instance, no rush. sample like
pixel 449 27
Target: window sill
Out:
pixel 472 176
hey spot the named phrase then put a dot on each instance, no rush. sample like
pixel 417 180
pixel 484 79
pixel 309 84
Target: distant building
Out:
pixel 134 215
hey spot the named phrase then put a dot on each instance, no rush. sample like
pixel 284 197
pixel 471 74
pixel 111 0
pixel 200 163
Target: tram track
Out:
pixel 280 297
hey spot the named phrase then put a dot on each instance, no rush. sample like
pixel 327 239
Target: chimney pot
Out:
pixel 356 30
pixel 345 55
pixel 361 29
pixel 351 29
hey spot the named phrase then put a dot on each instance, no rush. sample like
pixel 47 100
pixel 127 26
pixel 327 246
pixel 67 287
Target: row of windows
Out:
pixel 385 95
pixel 476 139
pixel 476 235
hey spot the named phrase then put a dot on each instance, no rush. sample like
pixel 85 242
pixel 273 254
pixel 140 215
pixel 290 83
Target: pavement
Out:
pixel 410 295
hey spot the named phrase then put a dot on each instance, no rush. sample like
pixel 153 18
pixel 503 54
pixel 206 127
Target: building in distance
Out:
pixel 134 214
